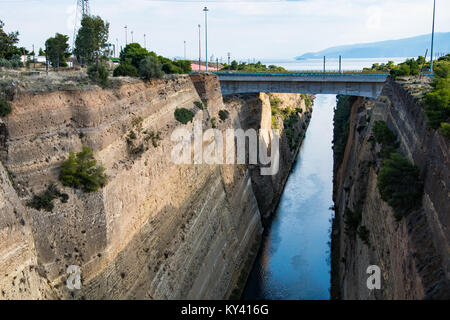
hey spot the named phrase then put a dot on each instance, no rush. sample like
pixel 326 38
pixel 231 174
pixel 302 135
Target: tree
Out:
pixel 150 68
pixel 126 69
pixel 133 54
pixel 91 39
pixel 41 52
pixel 81 171
pixel 58 50
pixel 7 43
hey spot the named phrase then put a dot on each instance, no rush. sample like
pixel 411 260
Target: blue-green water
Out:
pixel 293 263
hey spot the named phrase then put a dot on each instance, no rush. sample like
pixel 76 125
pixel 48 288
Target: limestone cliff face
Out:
pixel 413 254
pixel 256 113
pixel 157 230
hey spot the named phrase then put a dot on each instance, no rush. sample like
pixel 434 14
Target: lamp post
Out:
pixel 206 36
pixel 432 35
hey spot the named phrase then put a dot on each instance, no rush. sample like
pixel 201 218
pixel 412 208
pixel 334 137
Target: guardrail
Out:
pixel 302 74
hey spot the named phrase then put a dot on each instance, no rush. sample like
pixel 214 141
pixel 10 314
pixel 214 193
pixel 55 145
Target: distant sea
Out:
pixel 331 64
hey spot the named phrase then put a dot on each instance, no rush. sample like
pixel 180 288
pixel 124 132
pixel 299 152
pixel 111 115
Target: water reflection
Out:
pixel 293 262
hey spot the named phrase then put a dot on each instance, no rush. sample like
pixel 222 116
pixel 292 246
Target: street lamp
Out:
pixel 432 36
pixel 206 35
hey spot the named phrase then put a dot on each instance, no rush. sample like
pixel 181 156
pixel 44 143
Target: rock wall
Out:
pixel 413 254
pixel 157 230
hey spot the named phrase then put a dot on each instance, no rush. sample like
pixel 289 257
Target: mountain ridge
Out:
pixel 405 47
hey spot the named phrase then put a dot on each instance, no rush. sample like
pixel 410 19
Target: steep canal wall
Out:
pixel 413 252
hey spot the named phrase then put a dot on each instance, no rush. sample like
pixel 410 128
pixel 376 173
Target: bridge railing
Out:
pixel 306 74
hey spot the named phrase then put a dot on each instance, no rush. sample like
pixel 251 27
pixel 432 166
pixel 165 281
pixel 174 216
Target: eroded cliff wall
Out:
pixel 157 230
pixel 413 253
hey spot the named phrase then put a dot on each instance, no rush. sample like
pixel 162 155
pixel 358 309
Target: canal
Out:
pixel 294 259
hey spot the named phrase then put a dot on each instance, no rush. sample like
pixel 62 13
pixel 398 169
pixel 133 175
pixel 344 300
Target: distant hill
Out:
pixel 408 47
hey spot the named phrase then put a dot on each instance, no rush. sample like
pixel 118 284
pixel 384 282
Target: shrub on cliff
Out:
pixel 399 185
pixel 5 108
pixel 99 74
pixel 150 68
pixel 126 69
pixel 184 115
pixel 352 220
pixel 445 129
pixel 223 115
pixel 385 137
pixel 81 171
pixel 45 199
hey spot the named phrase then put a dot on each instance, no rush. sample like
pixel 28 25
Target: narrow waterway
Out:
pixel 294 260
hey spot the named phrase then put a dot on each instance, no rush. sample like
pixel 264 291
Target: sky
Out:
pixel 248 29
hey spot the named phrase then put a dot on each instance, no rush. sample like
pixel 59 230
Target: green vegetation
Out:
pixel 214 123
pixel 81 171
pixel 99 74
pixel 445 129
pixel 155 137
pixel 126 69
pixel 399 185
pixel 437 101
pixel 58 50
pixel 9 53
pixel 5 108
pixel 411 67
pixel 363 233
pixel 184 115
pixel 385 137
pixel 133 55
pixel 352 220
pixel 91 40
pixel 45 199
pixel 199 105
pixel 223 115
pixel 308 101
pixel 341 126
pixel 252 67
pixel 149 68
pixel 290 118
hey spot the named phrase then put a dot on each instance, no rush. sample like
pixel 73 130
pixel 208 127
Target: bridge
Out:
pixel 355 84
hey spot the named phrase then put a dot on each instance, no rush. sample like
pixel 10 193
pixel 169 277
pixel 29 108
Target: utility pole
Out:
pixel 206 35
pixel 184 49
pixel 145 41
pixel 132 39
pixel 340 64
pixel 217 62
pixel 117 53
pixel 199 48
pixel 432 35
pixel 126 35
pixel 324 64
pixel 229 58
